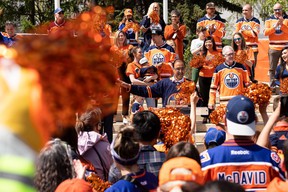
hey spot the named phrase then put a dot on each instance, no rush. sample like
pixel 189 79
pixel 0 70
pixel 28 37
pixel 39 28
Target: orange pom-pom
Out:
pixel 175 126
pixel 154 17
pixel 110 9
pixel 242 57
pixel 197 61
pixel 185 90
pixel 216 117
pixel 217 60
pixel 284 85
pixel 259 93
pixel 97 184
pixel 73 68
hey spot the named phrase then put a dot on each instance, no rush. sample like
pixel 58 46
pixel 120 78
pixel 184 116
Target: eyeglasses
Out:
pixel 229 55
pixel 237 39
pixel 277 10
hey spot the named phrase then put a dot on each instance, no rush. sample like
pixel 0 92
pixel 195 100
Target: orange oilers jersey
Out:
pixel 250 30
pixel 208 68
pixel 219 25
pixel 242 162
pixel 278 37
pixel 131 69
pixel 164 53
pixel 177 37
pixel 229 81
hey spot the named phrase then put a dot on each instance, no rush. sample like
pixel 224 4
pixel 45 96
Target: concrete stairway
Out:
pixel 201 128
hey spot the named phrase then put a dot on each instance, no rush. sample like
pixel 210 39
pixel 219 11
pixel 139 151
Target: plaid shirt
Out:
pixel 150 160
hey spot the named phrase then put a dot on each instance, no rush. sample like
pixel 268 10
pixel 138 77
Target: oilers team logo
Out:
pixel 242 116
pixel 245 27
pixel 231 80
pixel 157 58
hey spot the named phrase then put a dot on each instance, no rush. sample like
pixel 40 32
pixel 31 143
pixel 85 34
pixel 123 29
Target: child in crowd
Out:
pixel 214 137
pixel 197 44
pixel 137 105
pixel 147 71
pixel 125 150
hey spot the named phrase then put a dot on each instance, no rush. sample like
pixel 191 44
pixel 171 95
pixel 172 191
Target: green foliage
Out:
pixel 187 57
pixel 267 7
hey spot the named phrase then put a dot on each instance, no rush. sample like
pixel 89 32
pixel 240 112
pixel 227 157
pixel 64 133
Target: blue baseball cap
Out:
pixel 58 10
pixel 214 135
pixel 240 116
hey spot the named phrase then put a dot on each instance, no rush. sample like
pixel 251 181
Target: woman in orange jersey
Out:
pixel 131 72
pixel 243 54
pixel 206 71
pixel 122 47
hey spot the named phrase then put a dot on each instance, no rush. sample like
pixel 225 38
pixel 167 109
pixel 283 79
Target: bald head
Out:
pixel 247 11
pixel 277 8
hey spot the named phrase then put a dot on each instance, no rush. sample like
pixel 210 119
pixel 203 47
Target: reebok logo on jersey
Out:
pixel 158 58
pixel 231 80
pixel 240 152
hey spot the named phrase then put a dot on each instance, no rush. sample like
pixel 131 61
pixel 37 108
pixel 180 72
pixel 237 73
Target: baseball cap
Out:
pixel 58 10
pixel 143 61
pixel 214 135
pixel 74 185
pixel 240 116
pixel 168 171
pixel 210 5
pixel 156 31
pixel 128 12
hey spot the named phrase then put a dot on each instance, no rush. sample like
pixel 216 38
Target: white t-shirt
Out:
pixel 195 44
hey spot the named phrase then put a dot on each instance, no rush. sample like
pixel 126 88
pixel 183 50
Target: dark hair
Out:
pixel 147 126
pixel 54 165
pixel 210 145
pixel 243 42
pixel 282 65
pixel 125 144
pixel 205 50
pixel 88 120
pixel 285 152
pixel 184 149
pixel 220 186
pixel 70 136
pixel 178 60
pixel 132 52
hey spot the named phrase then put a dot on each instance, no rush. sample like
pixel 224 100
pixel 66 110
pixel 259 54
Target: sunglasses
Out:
pixel 60 13
pixel 277 10
pixel 237 39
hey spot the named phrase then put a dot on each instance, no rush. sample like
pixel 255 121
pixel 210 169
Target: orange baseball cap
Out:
pixel 128 12
pixel 74 185
pixel 166 172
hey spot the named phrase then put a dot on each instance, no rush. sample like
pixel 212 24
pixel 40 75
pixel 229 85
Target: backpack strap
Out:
pixel 105 172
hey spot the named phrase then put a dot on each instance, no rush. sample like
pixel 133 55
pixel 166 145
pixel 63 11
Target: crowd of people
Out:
pixel 85 157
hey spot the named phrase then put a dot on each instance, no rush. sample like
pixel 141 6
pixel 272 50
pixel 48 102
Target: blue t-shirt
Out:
pixel 148 180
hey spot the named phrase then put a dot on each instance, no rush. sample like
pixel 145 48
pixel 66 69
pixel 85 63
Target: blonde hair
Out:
pixel 116 38
pixel 150 9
